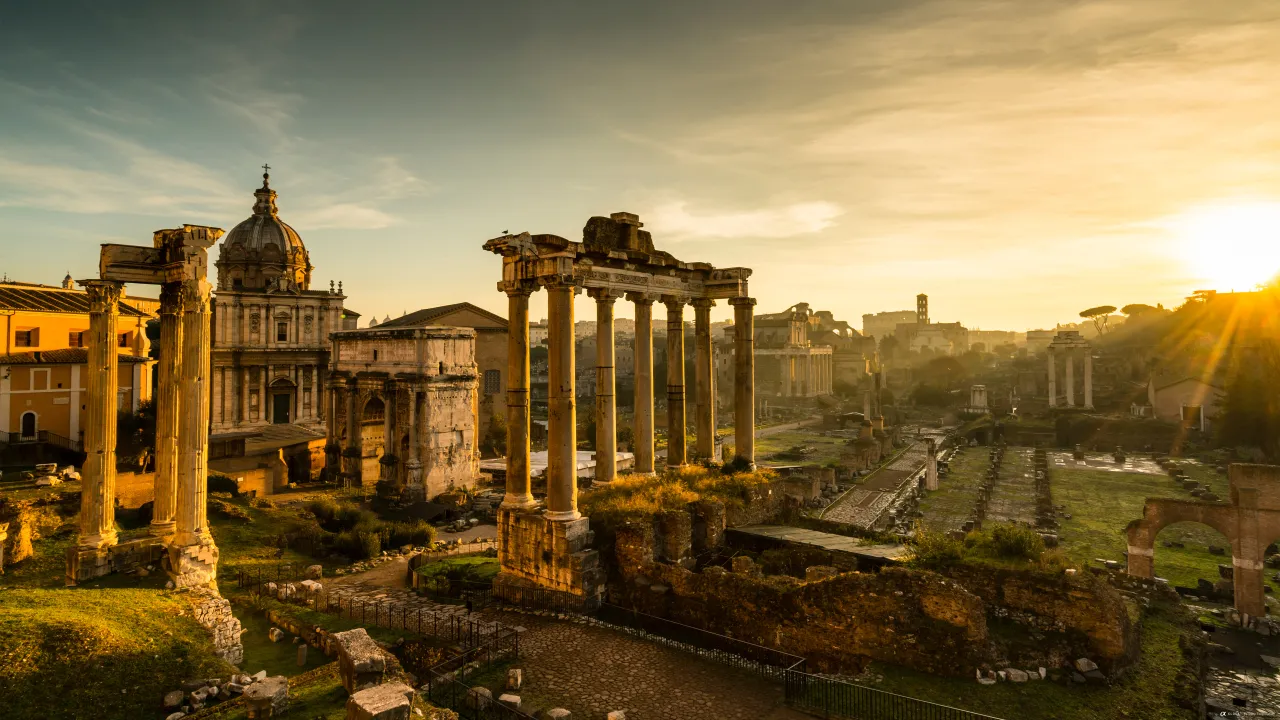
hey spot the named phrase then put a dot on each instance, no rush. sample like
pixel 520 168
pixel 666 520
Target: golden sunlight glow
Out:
pixel 1230 245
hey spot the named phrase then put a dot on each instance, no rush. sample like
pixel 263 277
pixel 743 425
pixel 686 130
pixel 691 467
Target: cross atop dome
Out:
pixel 266 177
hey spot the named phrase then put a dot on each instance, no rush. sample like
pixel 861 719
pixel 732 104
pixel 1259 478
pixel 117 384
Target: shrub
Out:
pixel 1016 541
pixel 325 509
pixel 370 543
pixel 935 550
pixel 418 532
pixel 222 507
pixel 222 483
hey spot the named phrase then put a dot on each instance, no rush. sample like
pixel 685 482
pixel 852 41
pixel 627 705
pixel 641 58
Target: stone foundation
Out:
pixel 381 702
pixel 193 565
pixel 555 555
pixel 362 662
pixel 84 564
pixel 213 612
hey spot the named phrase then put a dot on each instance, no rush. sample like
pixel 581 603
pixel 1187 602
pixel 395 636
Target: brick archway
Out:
pixel 1250 522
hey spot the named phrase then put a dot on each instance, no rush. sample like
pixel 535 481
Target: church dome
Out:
pixel 263 253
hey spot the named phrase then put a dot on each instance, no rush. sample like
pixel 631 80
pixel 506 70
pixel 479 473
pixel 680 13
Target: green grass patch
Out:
pixel 777 448
pixel 1145 692
pixel 106 653
pixel 277 658
pixel 329 621
pixel 637 495
pixel 470 568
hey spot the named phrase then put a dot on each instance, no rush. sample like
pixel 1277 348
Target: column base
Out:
pixel 518 502
pixel 97 542
pixel 535 551
pixel 562 515
pixel 193 565
pixel 162 529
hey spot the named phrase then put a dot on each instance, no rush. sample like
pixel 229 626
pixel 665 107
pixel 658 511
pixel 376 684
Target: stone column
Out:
pixel 1071 377
pixel 244 395
pixel 562 431
pixel 386 464
pixel 519 493
pixel 1053 381
pixel 168 410
pixel 931 466
pixel 193 423
pixel 606 402
pixel 644 383
pixel 98 489
pixel 1088 378
pixel 675 381
pixel 705 377
pixel 353 455
pixel 413 466
pixel 744 387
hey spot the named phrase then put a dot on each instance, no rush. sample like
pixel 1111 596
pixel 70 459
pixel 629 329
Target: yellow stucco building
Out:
pixel 42 360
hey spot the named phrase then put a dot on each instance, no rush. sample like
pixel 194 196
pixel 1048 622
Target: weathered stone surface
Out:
pixel 509 700
pixel 173 699
pixel 275 635
pixel 557 714
pixel 268 697
pixel 391 701
pixel 176 716
pixel 361 661
pixel 479 697
pixel 515 677
pixel 1016 675
pixel 1085 665
pixel 315 572
pixel 617 715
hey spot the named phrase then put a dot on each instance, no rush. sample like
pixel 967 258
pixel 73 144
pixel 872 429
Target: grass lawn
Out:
pixel 1103 502
pixel 948 507
pixel 826 449
pixel 1143 693
pixel 472 568
pixel 97 653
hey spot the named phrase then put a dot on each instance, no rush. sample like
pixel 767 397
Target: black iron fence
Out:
pixel 446 686
pixel 831 698
pixel 484 594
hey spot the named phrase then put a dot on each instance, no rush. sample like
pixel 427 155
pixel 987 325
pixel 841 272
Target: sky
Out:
pixel 1017 160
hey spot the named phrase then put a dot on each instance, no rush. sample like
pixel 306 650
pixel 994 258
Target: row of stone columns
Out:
pixel 182 416
pixel 1067 355
pixel 561 504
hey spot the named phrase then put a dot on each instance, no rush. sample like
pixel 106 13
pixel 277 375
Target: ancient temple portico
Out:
pixel 549 546
pixel 1066 345
pixel 178 262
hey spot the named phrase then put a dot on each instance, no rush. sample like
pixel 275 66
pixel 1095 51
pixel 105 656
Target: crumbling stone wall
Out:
pixel 213 612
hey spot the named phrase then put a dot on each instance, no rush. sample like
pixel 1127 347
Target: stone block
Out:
pixel 275 635
pixel 310 586
pixel 509 700
pixel 302 655
pixel 814 573
pixel 479 698
pixel 315 572
pixel 267 698
pixel 391 701
pixel 1016 675
pixel 557 714
pixel 617 715
pixel 1085 665
pixel 361 661
pixel 515 677
pixel 174 699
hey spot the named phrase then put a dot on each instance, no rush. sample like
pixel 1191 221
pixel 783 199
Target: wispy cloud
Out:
pixel 676 221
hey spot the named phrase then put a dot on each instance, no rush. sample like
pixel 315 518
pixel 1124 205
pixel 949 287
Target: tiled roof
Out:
pixel 42 298
pixel 425 316
pixel 65 356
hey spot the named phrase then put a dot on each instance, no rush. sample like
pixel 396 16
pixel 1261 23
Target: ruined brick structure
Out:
pixel 1251 522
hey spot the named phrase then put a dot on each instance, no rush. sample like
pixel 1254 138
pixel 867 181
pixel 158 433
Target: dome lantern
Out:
pixel 263 253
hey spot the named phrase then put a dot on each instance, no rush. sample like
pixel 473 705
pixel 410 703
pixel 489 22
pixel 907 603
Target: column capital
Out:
pixel 674 303
pixel 640 298
pixel 703 303
pixel 560 282
pixel 517 288
pixel 104 295
pixel 195 295
pixel 604 295
pixel 739 301
pixel 171 298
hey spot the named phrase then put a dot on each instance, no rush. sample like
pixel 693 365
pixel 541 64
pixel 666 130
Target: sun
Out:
pixel 1231 245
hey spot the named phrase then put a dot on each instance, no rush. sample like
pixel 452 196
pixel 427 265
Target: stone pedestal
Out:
pixel 554 555
pixel 392 701
pixel 361 661
pixel 193 565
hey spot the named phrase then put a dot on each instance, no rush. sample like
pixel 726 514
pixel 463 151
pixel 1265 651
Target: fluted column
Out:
pixel 676 454
pixel 519 493
pixel 705 377
pixel 98 488
pixel 644 382
pixel 168 411
pixel 744 373
pixel 562 431
pixel 1053 381
pixel 1088 378
pixel 606 402
pixel 1071 377
pixel 193 426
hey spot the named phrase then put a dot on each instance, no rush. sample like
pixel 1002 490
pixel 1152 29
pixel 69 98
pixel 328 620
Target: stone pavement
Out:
pixel 865 503
pixel 591 671
pixel 1260 692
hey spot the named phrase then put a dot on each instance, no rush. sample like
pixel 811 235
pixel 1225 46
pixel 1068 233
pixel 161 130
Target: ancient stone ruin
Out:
pixel 550 547
pixel 178 262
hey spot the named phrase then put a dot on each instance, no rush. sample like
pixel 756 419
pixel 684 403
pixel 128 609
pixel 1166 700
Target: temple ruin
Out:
pixel 1068 344
pixel 179 263
pixel 550 547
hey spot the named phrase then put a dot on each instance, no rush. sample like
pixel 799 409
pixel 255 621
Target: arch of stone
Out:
pixel 1251 522
pixel 551 547
pixel 178 262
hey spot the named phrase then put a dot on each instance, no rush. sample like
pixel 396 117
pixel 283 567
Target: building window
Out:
pixel 375 355
pixel 75 338
pixel 27 338
pixel 492 382
pixel 237 283
pixel 282 332
pixel 124 340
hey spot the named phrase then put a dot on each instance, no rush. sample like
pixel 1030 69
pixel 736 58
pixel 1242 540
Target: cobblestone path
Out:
pixel 864 504
pixel 591 671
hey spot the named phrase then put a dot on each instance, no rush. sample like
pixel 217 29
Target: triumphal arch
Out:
pixel 177 261
pixel 549 546
pixel 1251 522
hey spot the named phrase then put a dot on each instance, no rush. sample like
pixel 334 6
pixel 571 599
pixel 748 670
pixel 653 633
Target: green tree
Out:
pixel 1099 316
pixel 1134 310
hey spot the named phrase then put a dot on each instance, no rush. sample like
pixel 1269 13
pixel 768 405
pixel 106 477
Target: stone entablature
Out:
pixel 419 384
pixel 615 259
